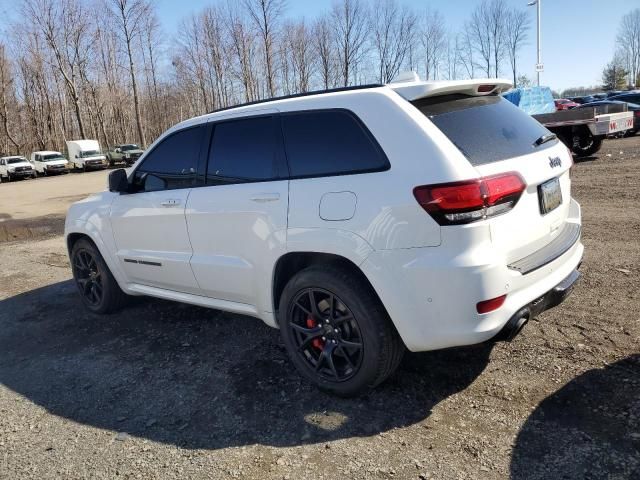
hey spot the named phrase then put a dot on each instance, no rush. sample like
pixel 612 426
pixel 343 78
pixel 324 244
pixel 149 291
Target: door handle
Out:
pixel 170 202
pixel 265 197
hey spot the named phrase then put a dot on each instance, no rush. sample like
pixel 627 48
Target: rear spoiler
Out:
pixel 409 86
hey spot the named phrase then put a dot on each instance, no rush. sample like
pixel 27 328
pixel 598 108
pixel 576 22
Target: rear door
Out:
pixel 149 225
pixel 237 222
pixel 497 137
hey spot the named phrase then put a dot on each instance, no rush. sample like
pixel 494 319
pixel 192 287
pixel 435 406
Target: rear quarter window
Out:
pixel 485 129
pixel 329 142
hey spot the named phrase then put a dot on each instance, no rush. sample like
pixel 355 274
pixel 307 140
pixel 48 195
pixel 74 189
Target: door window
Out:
pixel 173 163
pixel 329 142
pixel 243 151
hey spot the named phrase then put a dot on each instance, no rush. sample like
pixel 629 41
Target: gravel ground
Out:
pixel 163 390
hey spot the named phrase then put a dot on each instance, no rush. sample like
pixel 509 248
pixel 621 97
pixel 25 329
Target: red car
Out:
pixel 564 104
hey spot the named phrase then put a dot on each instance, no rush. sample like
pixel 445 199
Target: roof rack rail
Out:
pixel 297 95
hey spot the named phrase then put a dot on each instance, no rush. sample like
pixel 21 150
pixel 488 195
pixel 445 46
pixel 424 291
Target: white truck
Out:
pixel 47 162
pixel 15 167
pixel 86 155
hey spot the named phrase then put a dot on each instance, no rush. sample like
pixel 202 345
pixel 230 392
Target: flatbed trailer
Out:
pixel 582 130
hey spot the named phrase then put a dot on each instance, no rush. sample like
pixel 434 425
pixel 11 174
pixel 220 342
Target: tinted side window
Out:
pixel 173 163
pixel 329 142
pixel 243 151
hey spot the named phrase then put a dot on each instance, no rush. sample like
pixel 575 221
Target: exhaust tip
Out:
pixel 517 327
pixel 514 326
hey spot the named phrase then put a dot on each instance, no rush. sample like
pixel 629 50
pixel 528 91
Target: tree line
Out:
pixel 623 72
pixel 105 69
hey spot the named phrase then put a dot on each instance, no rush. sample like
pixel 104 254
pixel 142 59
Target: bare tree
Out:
pixel 515 32
pixel 242 41
pixel 298 46
pixel 7 97
pixel 433 38
pixel 151 40
pixel 629 41
pixel 393 29
pixel 349 19
pixel 479 35
pixel 466 53
pixel 65 27
pixel 129 16
pixel 324 48
pixel 498 17
pixel 192 62
pixel 264 14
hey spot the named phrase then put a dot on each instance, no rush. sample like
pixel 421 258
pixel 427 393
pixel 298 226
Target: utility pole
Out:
pixel 539 66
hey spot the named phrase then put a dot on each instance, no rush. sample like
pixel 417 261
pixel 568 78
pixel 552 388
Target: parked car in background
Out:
pixel 584 99
pixel 632 107
pixel 14 167
pixel 615 93
pixel 127 153
pixel 629 97
pixel 47 162
pixel 360 221
pixel 86 155
pixel 564 104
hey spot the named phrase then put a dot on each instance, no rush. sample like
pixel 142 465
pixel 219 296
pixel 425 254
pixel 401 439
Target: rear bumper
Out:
pixel 552 298
pixel 431 293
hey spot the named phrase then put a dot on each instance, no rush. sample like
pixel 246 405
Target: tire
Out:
pixel 586 146
pixel 98 289
pixel 328 355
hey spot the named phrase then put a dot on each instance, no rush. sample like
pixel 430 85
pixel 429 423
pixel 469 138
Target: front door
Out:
pixel 149 224
pixel 237 223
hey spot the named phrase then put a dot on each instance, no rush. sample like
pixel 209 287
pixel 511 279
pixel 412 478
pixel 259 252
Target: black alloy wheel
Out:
pixel 88 276
pixel 326 334
pixel 98 288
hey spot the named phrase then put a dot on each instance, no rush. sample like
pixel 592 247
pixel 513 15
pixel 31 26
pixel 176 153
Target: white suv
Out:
pixel 359 221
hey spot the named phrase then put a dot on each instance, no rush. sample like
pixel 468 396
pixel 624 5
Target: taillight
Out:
pixel 636 113
pixel 464 202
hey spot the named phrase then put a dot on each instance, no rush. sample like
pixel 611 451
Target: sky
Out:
pixel 578 36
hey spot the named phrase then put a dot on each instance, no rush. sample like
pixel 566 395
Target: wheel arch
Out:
pixel 90 232
pixel 293 262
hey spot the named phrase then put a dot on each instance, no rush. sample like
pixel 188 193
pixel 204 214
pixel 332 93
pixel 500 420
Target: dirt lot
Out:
pixel 36 208
pixel 163 390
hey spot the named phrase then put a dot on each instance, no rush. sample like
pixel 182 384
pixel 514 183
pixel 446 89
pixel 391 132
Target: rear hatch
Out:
pixel 497 137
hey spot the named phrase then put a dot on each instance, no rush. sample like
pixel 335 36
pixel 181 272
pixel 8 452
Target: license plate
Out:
pixel 550 195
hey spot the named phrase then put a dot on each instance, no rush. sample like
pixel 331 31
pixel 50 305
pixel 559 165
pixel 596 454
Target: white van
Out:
pixel 47 162
pixel 86 154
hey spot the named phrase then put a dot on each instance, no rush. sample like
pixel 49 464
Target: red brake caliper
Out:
pixel 317 343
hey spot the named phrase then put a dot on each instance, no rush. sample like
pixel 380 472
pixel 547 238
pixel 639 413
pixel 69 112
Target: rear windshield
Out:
pixel 485 129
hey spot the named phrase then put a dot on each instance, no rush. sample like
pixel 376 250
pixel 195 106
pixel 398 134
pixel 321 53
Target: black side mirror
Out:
pixel 118 181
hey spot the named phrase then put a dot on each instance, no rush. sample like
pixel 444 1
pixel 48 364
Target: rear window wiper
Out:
pixel 544 139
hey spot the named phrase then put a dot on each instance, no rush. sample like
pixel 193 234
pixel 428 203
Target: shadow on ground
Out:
pixel 198 378
pixel 589 429
pixel 590 158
